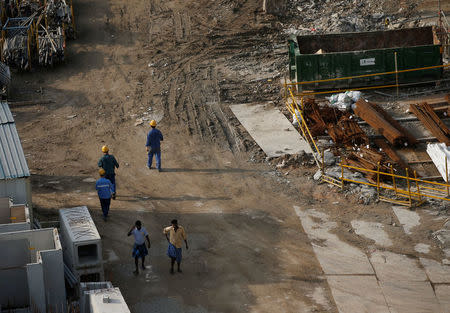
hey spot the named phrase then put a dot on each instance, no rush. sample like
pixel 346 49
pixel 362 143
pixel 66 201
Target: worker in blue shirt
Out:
pixel 109 163
pixel 153 145
pixel 104 189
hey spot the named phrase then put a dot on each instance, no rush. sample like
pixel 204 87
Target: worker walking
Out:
pixel 104 189
pixel 175 235
pixel 109 163
pixel 153 145
pixel 139 249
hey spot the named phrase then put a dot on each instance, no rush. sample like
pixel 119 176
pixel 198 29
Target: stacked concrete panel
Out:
pixel 32 276
pixel 13 217
pixel 81 244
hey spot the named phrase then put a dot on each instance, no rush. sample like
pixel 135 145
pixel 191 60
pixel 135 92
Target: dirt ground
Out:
pixel 182 63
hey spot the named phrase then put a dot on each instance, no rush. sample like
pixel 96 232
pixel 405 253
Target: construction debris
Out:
pixel 36 34
pixel 440 155
pixel 51 46
pixel 431 121
pixel 383 123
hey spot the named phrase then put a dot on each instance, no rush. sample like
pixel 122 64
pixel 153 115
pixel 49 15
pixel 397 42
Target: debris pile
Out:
pixel 35 33
pixel 431 121
pixel 351 143
pixel 324 16
pixel 51 46
pixel 383 123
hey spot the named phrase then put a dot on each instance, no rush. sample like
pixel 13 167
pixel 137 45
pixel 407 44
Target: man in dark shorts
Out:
pixel 139 248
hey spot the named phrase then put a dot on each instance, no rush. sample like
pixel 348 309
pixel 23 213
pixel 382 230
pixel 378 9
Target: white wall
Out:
pixel 13 274
pixel 35 275
pixel 7 228
pixel 55 289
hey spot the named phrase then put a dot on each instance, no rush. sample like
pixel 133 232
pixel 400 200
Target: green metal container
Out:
pixel 319 57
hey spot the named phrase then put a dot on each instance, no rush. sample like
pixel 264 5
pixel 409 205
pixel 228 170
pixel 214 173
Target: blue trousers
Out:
pixel 105 203
pixel 112 179
pixel 157 154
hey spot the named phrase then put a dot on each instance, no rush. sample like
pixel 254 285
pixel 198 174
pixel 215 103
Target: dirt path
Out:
pixel 181 63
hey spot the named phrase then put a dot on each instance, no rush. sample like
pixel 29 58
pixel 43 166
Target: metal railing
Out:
pixel 413 189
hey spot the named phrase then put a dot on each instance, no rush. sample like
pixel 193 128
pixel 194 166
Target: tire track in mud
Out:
pixel 197 94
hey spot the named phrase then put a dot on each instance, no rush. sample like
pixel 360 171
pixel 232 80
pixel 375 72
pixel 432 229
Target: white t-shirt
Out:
pixel 139 235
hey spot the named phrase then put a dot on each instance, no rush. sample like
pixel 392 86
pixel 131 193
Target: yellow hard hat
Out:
pixel 101 172
pixel 153 123
pixel 105 149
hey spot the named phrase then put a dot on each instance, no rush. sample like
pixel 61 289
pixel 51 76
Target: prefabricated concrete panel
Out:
pixel 270 129
pixel 16 253
pixel 36 285
pixel 19 189
pixel 410 296
pixel 357 294
pixel 55 290
pixel 39 239
pixel 14 287
pixel 443 295
pixel 115 304
pixel 84 293
pixel 7 228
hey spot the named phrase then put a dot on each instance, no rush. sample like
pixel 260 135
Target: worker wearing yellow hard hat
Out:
pixel 153 145
pixel 109 163
pixel 104 189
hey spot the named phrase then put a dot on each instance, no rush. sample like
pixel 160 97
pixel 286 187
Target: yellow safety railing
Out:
pixel 415 189
pixel 370 75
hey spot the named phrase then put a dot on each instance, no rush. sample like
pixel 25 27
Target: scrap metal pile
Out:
pixel 34 32
pixel 384 149
pixel 352 143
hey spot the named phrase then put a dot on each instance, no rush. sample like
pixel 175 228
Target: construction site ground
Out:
pixel 183 63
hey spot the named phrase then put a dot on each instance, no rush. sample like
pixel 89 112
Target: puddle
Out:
pixel 422 248
pixel 372 231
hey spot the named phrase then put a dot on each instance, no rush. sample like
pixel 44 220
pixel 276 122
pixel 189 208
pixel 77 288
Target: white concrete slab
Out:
pixel 335 256
pixel 396 267
pixel 422 248
pixel 372 231
pixel 409 219
pixel 357 294
pixel 411 297
pixel 271 130
pixel 443 295
pixel 437 272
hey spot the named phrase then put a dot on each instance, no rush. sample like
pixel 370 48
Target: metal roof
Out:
pixel 12 159
pixel 5 113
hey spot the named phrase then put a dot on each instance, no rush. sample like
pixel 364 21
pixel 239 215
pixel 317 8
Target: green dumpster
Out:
pixel 321 57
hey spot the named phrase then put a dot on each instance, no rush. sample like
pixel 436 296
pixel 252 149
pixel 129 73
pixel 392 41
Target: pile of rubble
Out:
pixel 325 16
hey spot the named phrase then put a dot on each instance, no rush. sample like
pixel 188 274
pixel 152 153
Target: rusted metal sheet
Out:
pixel 378 119
pixel 431 121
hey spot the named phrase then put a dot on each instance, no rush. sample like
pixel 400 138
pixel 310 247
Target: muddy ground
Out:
pixel 182 63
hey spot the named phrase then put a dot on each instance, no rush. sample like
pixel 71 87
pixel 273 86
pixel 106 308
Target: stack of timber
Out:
pixel 383 123
pixel 431 121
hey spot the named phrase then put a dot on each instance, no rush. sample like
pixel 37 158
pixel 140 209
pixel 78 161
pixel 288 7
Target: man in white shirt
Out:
pixel 139 248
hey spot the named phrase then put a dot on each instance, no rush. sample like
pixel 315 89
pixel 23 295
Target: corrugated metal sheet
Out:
pixel 5 113
pixel 12 159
